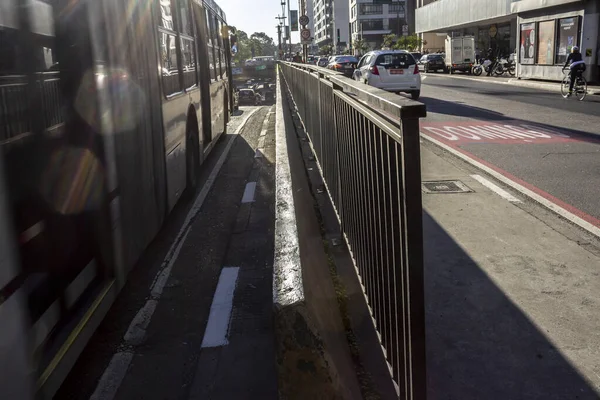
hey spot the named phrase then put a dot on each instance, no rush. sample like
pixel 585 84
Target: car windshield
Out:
pixel 246 92
pixel 396 59
pixel 435 57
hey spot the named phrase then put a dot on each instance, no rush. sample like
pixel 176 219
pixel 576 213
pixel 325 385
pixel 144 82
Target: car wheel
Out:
pixel 415 94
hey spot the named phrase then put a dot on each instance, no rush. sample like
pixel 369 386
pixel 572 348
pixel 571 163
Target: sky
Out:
pixel 256 15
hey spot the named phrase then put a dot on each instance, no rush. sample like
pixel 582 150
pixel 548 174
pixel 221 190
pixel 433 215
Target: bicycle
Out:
pixel 579 88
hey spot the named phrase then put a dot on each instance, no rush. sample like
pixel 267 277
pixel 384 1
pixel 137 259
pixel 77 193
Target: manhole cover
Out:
pixel 445 187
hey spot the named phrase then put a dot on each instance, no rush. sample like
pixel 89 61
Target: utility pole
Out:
pixel 304 46
pixel 280 53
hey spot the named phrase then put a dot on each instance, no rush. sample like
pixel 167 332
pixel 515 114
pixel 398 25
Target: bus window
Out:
pixel 188 61
pixel 166 16
pixel 186 18
pixel 169 63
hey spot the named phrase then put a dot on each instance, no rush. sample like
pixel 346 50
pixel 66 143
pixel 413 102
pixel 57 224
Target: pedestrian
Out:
pixel 297 58
pixel 490 56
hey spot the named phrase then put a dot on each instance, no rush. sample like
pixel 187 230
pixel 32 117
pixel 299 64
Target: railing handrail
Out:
pixel 391 103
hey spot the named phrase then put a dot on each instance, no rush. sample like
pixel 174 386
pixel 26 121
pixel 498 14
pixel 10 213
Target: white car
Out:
pixel 391 70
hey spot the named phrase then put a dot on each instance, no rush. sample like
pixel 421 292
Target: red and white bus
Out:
pixel 107 110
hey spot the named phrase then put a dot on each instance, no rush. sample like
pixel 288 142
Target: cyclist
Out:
pixel 577 66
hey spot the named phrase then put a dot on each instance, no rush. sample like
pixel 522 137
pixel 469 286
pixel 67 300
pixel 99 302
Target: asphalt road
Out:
pixel 534 137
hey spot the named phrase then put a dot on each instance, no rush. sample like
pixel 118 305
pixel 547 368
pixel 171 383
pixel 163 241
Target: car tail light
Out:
pixel 416 71
pixel 374 70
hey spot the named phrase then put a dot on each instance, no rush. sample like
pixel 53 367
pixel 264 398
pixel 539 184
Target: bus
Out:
pixel 108 109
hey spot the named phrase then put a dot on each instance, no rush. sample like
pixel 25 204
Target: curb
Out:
pixel 305 363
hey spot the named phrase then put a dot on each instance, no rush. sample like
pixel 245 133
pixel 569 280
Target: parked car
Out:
pixel 323 61
pixel 391 70
pixel 432 62
pixel 249 96
pixel 343 64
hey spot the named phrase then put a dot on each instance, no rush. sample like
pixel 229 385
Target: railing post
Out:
pixel 413 239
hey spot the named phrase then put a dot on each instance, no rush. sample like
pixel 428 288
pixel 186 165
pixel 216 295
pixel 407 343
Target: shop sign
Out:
pixel 527 48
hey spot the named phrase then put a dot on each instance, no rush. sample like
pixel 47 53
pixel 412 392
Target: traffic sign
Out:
pixel 303 20
pixel 305 34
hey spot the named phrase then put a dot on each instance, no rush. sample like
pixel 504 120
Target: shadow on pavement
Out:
pixel 458 109
pixel 480 345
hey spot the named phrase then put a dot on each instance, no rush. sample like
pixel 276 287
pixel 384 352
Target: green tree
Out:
pixel 411 43
pixel 263 43
pixel 360 46
pixel 389 41
pixel 325 50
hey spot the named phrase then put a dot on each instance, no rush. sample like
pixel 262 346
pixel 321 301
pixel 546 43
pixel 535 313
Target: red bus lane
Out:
pixel 557 165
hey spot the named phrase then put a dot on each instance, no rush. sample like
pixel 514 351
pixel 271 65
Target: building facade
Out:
pixel 539 32
pixel 331 24
pixel 372 19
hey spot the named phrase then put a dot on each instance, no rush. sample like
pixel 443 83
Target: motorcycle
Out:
pixel 478 69
pixel 505 65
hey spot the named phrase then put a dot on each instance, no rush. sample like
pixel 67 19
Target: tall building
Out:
pixel 372 19
pixel 331 24
pixel 540 33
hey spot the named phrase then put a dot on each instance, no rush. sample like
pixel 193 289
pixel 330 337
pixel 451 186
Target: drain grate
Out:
pixel 445 187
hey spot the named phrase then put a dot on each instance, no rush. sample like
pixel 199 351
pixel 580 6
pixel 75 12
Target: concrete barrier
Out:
pixel 314 359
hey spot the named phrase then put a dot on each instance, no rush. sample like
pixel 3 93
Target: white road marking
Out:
pixel 423 78
pixel 496 189
pixel 117 368
pixel 137 328
pixel 113 376
pixel 217 327
pixel 248 196
pixel 261 142
pixel 594 230
pixel 265 125
pixel 161 279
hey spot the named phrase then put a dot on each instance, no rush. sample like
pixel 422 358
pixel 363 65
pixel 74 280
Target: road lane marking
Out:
pixel 261 142
pixel 217 328
pixel 117 368
pixel 113 376
pixel 561 211
pixel 248 196
pixel 137 328
pixel 496 189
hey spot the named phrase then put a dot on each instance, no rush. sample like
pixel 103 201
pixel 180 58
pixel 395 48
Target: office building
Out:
pixel 372 19
pixel 331 24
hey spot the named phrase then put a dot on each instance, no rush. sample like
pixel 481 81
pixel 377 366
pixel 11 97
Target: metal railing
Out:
pixel 366 142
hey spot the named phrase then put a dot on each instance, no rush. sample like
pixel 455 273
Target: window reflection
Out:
pixel 169 66
pixel 188 62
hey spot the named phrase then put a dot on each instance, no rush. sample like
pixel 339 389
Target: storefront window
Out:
pixel 526 55
pixel 568 37
pixel 545 44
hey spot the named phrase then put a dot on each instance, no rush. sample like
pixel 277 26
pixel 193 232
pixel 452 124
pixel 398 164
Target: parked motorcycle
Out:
pixel 484 66
pixel 505 65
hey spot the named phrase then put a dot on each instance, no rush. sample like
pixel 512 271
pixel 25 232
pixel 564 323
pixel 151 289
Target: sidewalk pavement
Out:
pixel 511 303
pixel 529 83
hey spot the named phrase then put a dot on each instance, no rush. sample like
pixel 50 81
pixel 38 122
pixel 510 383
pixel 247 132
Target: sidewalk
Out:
pixel 511 303
pixel 506 80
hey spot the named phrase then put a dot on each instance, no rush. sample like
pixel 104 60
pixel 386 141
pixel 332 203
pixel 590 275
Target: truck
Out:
pixel 460 53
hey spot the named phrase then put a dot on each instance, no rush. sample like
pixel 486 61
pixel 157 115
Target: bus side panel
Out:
pixel 175 120
pixel 136 122
pixel 217 100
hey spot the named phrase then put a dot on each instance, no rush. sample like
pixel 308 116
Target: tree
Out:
pixel 411 43
pixel 325 50
pixel 389 41
pixel 360 46
pixel 263 43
